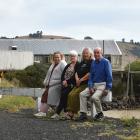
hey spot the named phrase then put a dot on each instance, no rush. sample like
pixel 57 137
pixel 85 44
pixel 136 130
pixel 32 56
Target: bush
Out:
pixel 32 76
pixel 135 66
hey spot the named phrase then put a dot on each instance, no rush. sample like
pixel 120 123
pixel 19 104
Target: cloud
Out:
pixel 77 18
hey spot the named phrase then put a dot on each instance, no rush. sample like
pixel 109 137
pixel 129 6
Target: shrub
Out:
pixel 135 66
pixel 32 76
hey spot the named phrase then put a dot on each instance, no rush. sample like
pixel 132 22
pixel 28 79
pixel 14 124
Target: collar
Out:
pixel 98 61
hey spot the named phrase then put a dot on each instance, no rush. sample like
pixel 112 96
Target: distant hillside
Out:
pixel 45 37
pixel 131 52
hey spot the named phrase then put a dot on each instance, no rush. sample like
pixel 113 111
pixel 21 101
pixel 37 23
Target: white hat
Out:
pixel 73 52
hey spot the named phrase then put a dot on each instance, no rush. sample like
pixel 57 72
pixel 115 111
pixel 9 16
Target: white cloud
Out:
pixel 76 18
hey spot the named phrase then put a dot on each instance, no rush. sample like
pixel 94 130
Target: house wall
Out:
pixel 14 60
pixel 116 60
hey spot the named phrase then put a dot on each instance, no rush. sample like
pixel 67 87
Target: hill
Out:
pixel 130 52
pixel 45 37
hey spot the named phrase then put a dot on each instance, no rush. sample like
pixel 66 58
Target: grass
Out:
pixel 129 122
pixel 6 83
pixel 15 103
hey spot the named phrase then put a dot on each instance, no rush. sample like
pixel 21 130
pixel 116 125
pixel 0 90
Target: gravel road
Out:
pixel 23 126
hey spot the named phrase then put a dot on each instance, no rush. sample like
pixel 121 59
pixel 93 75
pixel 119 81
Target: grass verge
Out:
pixel 15 103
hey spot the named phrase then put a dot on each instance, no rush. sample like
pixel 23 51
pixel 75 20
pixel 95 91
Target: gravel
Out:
pixel 23 126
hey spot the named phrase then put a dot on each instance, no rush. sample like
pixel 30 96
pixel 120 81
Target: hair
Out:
pixel 61 55
pixel 99 48
pixel 73 52
pixel 89 50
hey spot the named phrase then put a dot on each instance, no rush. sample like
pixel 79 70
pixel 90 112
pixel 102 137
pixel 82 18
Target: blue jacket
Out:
pixel 100 71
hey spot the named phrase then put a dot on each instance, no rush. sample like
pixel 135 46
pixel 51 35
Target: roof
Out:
pixel 46 46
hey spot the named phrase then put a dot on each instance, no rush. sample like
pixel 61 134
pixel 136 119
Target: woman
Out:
pixel 52 83
pixel 68 82
pixel 81 77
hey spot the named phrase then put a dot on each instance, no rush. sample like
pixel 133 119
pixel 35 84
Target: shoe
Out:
pixel 83 117
pixel 55 116
pixel 99 116
pixel 69 116
pixel 40 114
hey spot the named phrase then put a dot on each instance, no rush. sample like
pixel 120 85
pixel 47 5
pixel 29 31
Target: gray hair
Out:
pixel 73 52
pixel 99 49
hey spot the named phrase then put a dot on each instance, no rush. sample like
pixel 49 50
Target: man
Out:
pixel 99 84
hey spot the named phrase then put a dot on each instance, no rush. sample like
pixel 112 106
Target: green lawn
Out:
pixel 15 103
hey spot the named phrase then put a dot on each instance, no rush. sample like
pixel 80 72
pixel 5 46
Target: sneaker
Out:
pixel 99 116
pixel 55 116
pixel 83 117
pixel 40 114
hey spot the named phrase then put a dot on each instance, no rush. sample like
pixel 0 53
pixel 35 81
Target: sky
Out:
pixel 100 19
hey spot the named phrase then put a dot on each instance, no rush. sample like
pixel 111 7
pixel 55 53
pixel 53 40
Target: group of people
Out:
pixel 69 86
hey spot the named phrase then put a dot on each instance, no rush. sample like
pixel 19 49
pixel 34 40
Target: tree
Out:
pixel 132 41
pixel 38 34
pixel 123 40
pixel 87 37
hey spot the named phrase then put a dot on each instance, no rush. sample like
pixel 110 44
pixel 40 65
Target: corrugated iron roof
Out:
pixel 45 46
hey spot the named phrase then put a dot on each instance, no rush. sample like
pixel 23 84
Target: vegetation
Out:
pixel 129 122
pixel 32 76
pixel 6 83
pixel 38 34
pixel 134 66
pixel 87 37
pixel 15 103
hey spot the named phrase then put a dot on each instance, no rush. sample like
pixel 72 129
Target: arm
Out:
pixel 77 80
pixel 91 77
pixel 45 82
pixel 108 70
pixel 85 77
pixel 76 76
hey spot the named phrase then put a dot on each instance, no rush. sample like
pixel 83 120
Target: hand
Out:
pixel 64 83
pixel 91 91
pixel 105 92
pixel 78 82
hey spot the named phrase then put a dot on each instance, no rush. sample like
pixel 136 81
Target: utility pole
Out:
pixel 103 47
pixel 128 79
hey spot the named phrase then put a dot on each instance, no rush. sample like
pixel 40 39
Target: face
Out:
pixel 86 54
pixel 97 54
pixel 57 58
pixel 73 59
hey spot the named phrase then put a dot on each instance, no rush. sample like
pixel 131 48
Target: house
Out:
pixel 15 60
pixel 43 49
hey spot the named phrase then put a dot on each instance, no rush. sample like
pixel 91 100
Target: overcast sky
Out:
pixel 100 19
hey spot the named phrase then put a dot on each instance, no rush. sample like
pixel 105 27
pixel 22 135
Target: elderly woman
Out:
pixel 68 82
pixel 52 83
pixel 81 76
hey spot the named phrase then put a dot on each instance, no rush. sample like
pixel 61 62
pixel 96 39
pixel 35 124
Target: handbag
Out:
pixel 44 96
